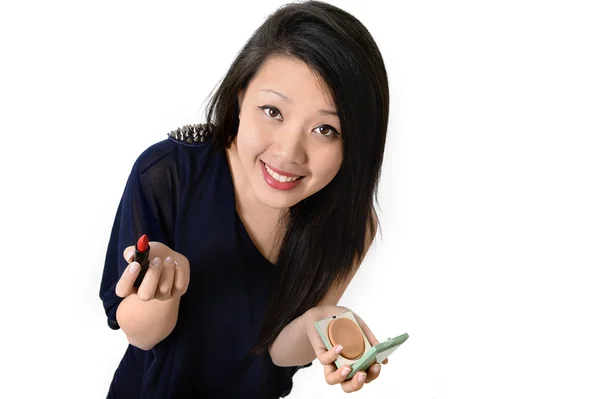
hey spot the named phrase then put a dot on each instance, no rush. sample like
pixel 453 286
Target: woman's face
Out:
pixel 289 141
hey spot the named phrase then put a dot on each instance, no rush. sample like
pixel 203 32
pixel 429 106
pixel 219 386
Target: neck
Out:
pixel 260 221
pixel 245 201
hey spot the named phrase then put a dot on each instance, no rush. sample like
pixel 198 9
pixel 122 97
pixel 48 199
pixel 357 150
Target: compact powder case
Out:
pixel 343 329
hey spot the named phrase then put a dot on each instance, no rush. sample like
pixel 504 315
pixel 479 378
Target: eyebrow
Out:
pixel 287 100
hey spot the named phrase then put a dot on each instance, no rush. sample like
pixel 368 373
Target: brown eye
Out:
pixel 326 131
pixel 271 112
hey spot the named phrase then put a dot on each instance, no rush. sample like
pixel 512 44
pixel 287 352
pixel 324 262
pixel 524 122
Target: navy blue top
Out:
pixel 182 195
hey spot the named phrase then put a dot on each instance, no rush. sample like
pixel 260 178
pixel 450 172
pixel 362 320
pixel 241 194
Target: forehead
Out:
pixel 293 78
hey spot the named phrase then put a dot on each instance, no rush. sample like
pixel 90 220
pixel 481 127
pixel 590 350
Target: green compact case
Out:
pixel 358 352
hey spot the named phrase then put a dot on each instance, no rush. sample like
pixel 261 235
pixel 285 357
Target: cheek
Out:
pixel 250 141
pixel 330 163
pixel 335 168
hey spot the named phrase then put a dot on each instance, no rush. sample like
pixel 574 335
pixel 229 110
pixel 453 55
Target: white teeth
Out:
pixel 278 177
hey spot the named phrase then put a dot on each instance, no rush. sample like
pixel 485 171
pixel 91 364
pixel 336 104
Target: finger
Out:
pixel 128 253
pixel 124 286
pixel 355 383
pixel 327 359
pixel 373 372
pixel 149 283
pixel 165 283
pixel 338 376
pixel 181 278
pixel 328 356
pixel 156 249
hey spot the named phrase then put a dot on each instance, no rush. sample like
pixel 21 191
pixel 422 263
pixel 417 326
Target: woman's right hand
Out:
pixel 168 274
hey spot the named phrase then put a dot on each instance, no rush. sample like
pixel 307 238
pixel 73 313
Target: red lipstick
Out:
pixel 277 184
pixel 142 255
pixel 281 172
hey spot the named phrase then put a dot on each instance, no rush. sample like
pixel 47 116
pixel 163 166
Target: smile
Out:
pixel 280 180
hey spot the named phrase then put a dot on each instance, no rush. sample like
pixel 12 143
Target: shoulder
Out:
pixel 176 151
pixel 170 168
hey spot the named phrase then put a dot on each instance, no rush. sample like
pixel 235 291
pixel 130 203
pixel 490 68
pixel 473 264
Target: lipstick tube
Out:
pixel 142 256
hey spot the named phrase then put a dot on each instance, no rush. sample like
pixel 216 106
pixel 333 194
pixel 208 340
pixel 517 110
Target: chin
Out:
pixel 278 201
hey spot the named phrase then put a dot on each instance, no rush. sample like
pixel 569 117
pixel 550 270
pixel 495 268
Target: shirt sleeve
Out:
pixel 143 209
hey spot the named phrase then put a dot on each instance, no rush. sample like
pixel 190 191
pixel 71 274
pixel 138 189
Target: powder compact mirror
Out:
pixel 343 329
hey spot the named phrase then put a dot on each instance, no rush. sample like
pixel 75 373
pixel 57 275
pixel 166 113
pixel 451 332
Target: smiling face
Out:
pixel 289 143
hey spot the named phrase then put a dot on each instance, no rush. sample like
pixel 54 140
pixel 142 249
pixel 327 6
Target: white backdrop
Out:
pixel 489 255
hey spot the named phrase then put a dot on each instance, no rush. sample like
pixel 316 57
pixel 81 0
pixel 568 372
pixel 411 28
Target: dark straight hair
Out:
pixel 325 234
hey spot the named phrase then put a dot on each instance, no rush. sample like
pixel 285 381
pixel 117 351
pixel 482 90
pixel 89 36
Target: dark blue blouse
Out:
pixel 182 195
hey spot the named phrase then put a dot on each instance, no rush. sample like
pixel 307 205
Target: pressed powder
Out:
pixel 358 353
pixel 345 332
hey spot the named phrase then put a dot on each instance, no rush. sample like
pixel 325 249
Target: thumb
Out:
pixel 128 253
pixel 124 286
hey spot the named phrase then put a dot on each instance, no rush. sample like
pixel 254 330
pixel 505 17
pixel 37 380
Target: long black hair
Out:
pixel 324 234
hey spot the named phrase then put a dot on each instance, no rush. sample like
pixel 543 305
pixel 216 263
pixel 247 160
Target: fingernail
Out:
pixel 129 256
pixel 156 261
pixel 339 349
pixel 345 372
pixel 362 377
pixel 168 259
pixel 376 368
pixel 134 267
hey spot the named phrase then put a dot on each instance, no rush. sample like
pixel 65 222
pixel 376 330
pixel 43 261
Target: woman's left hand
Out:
pixel 333 375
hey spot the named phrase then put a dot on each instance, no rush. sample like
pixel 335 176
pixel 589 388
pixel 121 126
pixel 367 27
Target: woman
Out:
pixel 259 219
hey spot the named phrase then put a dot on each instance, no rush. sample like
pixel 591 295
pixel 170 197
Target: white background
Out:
pixel 490 195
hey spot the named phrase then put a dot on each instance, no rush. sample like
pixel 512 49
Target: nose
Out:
pixel 289 146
